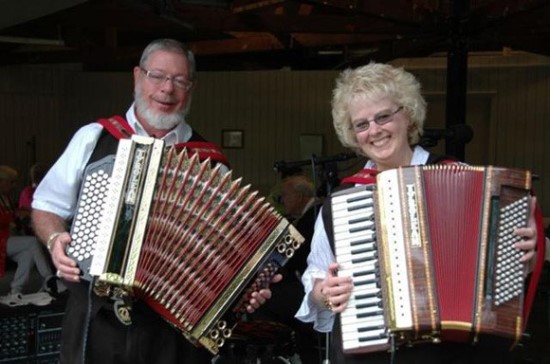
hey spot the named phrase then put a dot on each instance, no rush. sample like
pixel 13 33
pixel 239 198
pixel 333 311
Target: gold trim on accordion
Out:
pixel 432 248
pixel 159 225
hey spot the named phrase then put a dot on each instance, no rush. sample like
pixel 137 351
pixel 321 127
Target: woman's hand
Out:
pixel 529 235
pixel 333 291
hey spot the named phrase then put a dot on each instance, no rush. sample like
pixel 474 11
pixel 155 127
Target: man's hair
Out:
pixel 37 172
pixel 169 45
pixel 301 184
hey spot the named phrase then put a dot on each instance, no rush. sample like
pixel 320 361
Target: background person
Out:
pixel 25 251
pixel 36 173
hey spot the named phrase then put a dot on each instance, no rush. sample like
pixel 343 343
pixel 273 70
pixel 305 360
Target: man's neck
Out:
pixel 151 131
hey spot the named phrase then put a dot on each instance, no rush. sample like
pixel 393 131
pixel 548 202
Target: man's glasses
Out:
pixel 158 78
pixel 378 119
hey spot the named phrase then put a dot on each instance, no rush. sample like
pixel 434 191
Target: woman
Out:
pixel 378 112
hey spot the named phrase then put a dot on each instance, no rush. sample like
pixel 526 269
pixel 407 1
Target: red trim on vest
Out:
pixel 447 161
pixel 117 126
pixel 364 177
pixel 204 150
pixel 537 270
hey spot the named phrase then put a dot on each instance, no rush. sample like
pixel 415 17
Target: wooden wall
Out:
pixel 508 100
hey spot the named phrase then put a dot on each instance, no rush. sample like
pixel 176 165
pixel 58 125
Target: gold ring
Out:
pixel 328 304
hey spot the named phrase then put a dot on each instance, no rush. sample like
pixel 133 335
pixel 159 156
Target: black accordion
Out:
pixel 160 225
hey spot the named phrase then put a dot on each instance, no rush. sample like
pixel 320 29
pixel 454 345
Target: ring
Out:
pixel 58 274
pixel 328 304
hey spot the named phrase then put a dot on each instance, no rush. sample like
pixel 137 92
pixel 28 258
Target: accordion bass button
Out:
pixel 214 334
pixel 227 333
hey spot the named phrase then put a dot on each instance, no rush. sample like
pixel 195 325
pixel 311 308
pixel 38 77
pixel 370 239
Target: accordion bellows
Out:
pixel 181 235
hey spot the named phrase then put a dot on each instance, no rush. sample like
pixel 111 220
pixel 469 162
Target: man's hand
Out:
pixel 258 298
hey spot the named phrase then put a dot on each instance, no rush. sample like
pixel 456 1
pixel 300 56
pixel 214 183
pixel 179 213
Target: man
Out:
pixel 300 206
pixel 297 196
pixel 163 82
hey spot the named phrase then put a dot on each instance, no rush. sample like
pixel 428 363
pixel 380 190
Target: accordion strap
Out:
pixel 363 177
pixel 119 128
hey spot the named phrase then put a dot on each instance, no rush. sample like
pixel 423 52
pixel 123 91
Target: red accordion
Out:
pixel 430 250
pixel 162 226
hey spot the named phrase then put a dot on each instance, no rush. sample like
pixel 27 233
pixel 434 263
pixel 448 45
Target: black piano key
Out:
pixel 360 207
pixel 367 295
pixel 372 239
pixel 360 219
pixel 373 337
pixel 370 314
pixel 356 198
pixel 359 229
pixel 369 328
pixel 363 250
pixel 373 270
pixel 367 305
pixel 368 281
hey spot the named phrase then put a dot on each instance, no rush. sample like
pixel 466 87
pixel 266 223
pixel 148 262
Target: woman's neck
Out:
pixel 402 159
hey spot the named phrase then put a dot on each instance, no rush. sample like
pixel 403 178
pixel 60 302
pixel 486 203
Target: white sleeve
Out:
pixel 58 191
pixel 318 261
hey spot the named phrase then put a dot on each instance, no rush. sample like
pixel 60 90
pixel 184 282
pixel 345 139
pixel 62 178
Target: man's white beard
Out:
pixel 157 120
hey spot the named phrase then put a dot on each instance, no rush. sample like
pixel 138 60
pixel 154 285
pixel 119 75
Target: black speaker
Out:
pixel 31 334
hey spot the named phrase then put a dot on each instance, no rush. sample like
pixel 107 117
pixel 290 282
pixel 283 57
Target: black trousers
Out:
pixel 148 340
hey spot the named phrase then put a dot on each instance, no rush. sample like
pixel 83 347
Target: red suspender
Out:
pixel 364 177
pixel 117 126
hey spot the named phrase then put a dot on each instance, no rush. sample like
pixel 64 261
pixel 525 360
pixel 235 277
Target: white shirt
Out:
pixel 58 191
pixel 321 256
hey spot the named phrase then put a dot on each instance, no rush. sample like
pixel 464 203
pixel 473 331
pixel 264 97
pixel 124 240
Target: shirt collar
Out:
pixel 420 157
pixel 181 133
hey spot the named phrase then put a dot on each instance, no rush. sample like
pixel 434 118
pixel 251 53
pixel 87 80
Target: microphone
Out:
pixel 460 133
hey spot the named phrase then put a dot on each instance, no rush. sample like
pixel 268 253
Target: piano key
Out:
pixel 344 237
pixel 356 227
pixel 351 197
pixel 354 344
pixel 375 325
pixel 346 213
pixel 358 258
pixel 358 248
